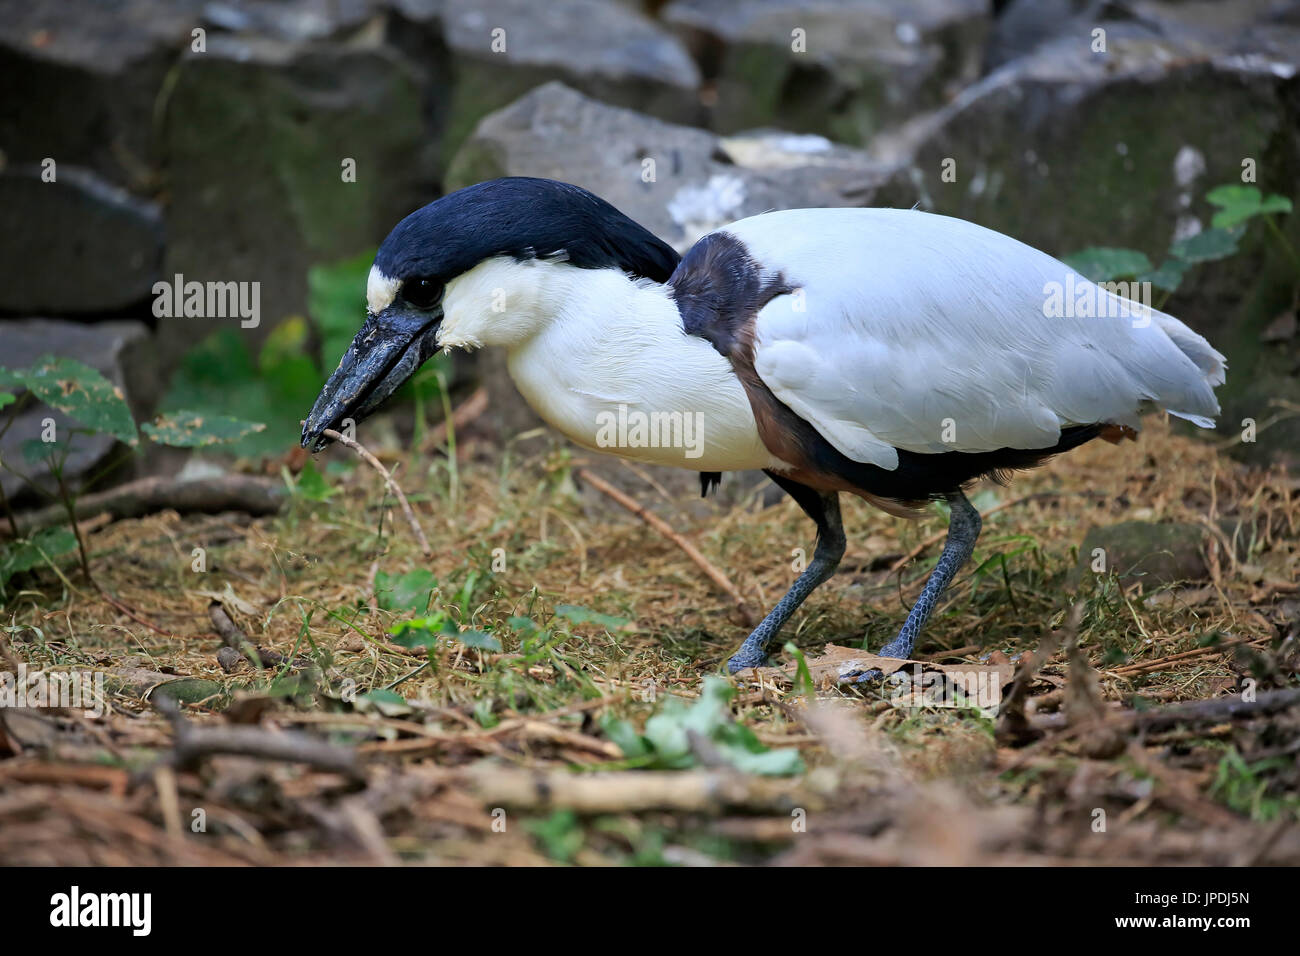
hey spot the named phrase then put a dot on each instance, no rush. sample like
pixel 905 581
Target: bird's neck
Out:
pixel 505 302
pixel 595 352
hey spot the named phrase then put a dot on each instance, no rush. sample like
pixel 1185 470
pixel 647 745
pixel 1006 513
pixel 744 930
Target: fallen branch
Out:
pixel 1140 667
pixel 373 462
pixel 193 743
pixel 696 791
pixel 654 521
pixel 1189 711
pixel 256 496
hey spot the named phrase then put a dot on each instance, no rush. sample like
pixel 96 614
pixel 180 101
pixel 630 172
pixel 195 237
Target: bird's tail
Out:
pixel 1197 403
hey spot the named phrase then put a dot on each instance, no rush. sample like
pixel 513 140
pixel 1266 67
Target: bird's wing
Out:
pixel 916 331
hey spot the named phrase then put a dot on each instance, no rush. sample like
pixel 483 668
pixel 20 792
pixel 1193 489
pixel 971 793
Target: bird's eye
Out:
pixel 422 293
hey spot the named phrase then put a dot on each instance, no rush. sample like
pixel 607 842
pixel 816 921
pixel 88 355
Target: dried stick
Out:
pixel 256 496
pixel 1211 710
pixel 1139 667
pixel 654 521
pixel 694 791
pixel 194 743
pixel 373 462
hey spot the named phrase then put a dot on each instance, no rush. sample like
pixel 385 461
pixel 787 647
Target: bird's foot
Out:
pixel 861 677
pixel 745 658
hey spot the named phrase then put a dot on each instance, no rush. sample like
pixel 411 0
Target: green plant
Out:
pixel 1245 787
pixel 1236 205
pixel 677 736
pixel 84 395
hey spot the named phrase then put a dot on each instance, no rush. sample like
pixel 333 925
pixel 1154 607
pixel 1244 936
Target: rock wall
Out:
pixel 141 139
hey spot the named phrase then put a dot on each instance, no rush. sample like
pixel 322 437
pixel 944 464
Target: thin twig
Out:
pixel 126 609
pixel 1138 667
pixel 373 462
pixel 654 521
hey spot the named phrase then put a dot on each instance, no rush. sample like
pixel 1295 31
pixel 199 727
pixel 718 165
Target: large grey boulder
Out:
pixel 81 78
pixel 74 245
pixel 677 181
pixel 500 49
pixel 1158 553
pixel 120 350
pixel 843 68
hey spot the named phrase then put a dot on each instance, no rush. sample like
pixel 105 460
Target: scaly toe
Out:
pixel 861 677
pixel 743 660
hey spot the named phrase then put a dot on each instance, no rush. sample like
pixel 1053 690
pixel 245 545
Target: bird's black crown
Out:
pixel 524 218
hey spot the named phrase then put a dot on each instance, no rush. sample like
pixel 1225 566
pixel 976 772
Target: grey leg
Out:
pixel 963 529
pixel 825 510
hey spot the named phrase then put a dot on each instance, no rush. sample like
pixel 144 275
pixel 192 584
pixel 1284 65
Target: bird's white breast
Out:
pixel 611 367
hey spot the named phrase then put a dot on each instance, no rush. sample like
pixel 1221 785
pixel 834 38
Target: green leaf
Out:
pixel 668 735
pixel 478 640
pixel 420 632
pixel 7 399
pixel 408 592
pixel 35 450
pixel 624 736
pixel 311 484
pixel 22 556
pixel 1207 246
pixel 336 302
pixel 190 429
pixel 803 682
pixel 560 835
pixel 1233 194
pixel 1168 277
pixel 483 713
pixel 81 392
pixel 519 623
pixel 389 703
pixel 1240 203
pixel 1101 264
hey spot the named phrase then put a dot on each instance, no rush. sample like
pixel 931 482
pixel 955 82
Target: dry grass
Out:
pixel 487 730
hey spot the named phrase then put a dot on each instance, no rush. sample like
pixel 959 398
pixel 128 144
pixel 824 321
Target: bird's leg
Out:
pixel 963 529
pixel 823 508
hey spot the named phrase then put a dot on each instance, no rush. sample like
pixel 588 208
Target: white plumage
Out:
pixel 928 333
pixel 584 344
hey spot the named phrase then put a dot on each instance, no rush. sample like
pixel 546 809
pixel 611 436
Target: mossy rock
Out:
pixel 1156 553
